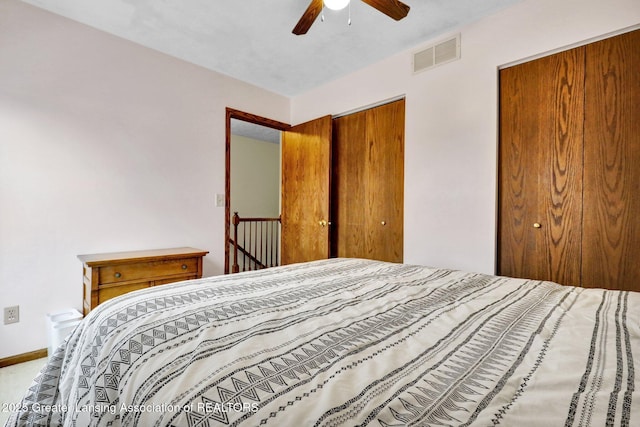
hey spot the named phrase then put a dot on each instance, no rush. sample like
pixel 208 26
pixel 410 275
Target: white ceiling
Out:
pixel 251 40
pixel 250 130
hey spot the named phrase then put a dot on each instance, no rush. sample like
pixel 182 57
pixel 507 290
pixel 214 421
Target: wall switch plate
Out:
pixel 219 200
pixel 11 314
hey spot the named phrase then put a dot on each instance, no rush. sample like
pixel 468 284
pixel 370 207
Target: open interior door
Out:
pixel 306 184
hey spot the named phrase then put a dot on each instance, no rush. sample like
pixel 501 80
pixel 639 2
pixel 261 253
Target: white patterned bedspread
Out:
pixel 348 342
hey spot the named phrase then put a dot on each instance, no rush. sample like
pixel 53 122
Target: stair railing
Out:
pixel 256 243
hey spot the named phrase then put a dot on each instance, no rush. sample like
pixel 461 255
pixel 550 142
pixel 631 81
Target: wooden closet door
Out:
pixel 384 215
pixel 348 203
pixel 306 169
pixel 611 241
pixel 368 184
pixel 540 168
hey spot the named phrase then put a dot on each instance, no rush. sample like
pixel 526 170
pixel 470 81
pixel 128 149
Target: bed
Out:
pixel 347 342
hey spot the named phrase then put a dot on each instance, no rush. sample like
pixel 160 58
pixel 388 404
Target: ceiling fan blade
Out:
pixel 392 8
pixel 308 17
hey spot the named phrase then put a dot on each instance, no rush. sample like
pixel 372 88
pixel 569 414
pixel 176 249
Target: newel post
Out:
pixel 236 220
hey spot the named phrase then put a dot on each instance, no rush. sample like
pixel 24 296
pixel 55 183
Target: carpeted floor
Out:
pixel 14 382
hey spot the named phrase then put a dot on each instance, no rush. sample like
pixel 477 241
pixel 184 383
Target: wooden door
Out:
pixel 306 171
pixel 368 184
pixel 611 240
pixel 348 202
pixel 384 217
pixel 540 168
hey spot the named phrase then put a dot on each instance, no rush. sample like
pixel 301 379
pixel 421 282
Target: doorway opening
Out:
pixel 341 189
pixel 252 191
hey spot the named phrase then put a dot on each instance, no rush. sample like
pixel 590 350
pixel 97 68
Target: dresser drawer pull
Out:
pixel 184 266
pixel 118 275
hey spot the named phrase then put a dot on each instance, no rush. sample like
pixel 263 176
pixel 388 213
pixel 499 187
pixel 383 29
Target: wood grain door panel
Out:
pixel 306 171
pixel 611 249
pixel 368 184
pixel 540 173
pixel 384 219
pixel 348 183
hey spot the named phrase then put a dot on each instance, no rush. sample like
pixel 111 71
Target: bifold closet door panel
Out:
pixel 348 200
pixel 611 242
pixel 384 216
pixel 540 168
pixel 368 183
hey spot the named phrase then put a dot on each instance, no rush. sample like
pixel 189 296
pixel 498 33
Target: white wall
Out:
pixel 451 120
pixel 255 177
pixel 104 146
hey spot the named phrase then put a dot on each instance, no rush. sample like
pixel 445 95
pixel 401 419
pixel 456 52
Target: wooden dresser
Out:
pixel 109 275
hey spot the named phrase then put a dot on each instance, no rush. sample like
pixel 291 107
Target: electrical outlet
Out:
pixel 11 314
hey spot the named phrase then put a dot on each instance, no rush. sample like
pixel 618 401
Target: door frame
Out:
pixel 245 117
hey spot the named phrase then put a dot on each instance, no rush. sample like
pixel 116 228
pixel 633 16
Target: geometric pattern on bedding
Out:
pixel 347 342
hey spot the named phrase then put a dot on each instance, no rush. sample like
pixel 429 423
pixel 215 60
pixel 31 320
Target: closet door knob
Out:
pixel 537 225
pixel 384 223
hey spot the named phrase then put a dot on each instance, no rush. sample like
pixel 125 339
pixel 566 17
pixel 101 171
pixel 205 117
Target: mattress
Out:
pixel 347 342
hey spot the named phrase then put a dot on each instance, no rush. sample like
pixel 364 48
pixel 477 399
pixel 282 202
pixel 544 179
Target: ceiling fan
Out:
pixel 392 8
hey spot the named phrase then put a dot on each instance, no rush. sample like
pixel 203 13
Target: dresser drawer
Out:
pixel 148 270
pixel 115 291
pixel 109 275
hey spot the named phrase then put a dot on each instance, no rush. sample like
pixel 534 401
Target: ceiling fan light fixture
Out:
pixel 336 4
pixel 394 9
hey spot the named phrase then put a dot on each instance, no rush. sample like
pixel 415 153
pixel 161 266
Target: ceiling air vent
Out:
pixel 437 54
